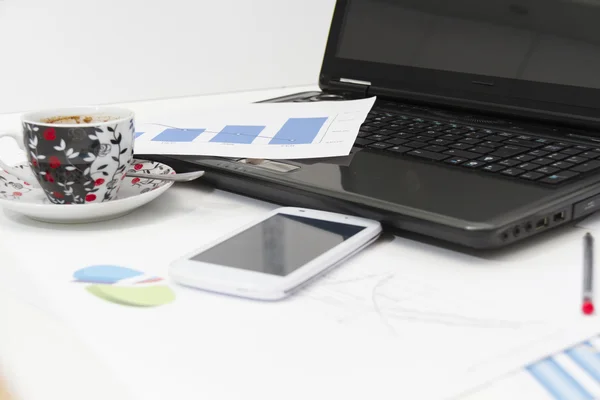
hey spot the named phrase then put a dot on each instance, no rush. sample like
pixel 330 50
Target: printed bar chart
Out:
pixel 298 131
pixel 238 134
pixel 138 134
pixel 178 135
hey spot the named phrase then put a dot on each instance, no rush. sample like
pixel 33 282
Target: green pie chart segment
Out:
pixel 137 296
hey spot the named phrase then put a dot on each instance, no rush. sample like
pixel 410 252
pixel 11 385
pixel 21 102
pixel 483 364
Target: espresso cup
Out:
pixel 76 155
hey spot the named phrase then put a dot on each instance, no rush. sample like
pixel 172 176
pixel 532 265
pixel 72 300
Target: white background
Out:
pixel 72 52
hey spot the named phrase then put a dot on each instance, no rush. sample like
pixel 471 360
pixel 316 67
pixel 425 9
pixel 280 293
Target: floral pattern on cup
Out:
pixel 77 165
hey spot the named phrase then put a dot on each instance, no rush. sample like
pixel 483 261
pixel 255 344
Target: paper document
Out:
pixel 271 131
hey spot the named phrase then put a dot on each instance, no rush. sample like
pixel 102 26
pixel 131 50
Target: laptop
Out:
pixel 486 128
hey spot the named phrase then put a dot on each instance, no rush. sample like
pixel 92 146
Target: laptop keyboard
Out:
pixel 522 156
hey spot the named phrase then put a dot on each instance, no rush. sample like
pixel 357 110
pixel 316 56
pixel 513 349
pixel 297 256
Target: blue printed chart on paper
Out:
pixel 273 131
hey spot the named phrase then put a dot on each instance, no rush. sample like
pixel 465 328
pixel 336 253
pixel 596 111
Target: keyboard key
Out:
pixel 377 124
pixel 411 129
pixel 378 138
pixel 379 145
pixel 524 157
pixel 416 145
pixel 451 137
pixel 396 141
pixel 421 125
pixel 430 155
pixel 583 148
pixel 470 141
pixel 538 153
pixel 394 127
pixel 524 143
pixel 473 164
pixel 493 167
pixel 510 163
pixel 496 138
pixel 562 165
pixel 543 161
pixel 481 149
pixel 587 166
pixel 547 170
pixel 475 135
pixel 455 160
pixel 460 146
pixel 513 171
pixel 493 145
pixel 506 134
pixel 385 131
pixel 399 149
pixel 362 142
pixel 559 177
pixel 508 151
pixel 441 142
pixel 463 154
pixel 577 160
pixel 524 137
pixel 552 148
pixel 532 176
pixel 421 138
pixel 543 141
pixel 528 166
pixel 457 131
pixel 438 128
pixel 404 135
pixel 489 159
pixel 571 151
pixel 436 149
pixel 590 154
pixel 556 156
pixel 432 134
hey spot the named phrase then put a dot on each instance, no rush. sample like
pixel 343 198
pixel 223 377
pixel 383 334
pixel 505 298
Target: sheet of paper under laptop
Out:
pixel 273 131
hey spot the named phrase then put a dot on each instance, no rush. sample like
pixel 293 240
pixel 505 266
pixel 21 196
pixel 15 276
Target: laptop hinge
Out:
pixel 351 85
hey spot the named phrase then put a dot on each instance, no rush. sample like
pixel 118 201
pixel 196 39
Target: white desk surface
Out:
pixel 44 358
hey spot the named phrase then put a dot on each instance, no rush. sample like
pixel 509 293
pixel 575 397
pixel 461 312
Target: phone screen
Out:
pixel 279 245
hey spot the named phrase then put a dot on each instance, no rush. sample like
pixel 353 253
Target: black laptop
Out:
pixel 486 130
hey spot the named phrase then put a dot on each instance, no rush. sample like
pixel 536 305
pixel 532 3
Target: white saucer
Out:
pixel 16 195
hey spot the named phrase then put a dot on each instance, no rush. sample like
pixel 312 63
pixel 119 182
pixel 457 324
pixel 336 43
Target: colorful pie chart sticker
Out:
pixel 124 286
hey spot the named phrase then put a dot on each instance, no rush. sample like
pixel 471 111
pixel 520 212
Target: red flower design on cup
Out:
pixel 90 197
pixel 138 166
pixel 54 162
pixel 17 194
pixel 50 134
pixel 49 178
pixel 58 195
pixel 34 163
pixel 99 182
pixel 135 180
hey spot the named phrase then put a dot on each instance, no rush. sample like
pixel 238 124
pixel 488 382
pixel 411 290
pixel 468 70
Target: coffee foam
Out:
pixel 77 119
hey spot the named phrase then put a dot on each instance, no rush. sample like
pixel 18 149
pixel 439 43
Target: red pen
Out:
pixel 588 275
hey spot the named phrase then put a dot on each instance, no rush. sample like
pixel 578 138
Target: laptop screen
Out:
pixel 498 43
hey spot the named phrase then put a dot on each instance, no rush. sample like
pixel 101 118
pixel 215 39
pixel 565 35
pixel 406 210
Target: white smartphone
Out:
pixel 277 254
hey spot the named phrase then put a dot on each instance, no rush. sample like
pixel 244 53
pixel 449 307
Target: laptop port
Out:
pixel 558 217
pixel 541 223
pixel 528 227
pixel 516 231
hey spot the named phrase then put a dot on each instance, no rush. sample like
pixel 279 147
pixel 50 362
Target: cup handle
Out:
pixel 18 172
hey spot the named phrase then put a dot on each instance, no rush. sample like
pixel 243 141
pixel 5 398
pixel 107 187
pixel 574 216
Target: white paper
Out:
pixel 399 320
pixel 270 131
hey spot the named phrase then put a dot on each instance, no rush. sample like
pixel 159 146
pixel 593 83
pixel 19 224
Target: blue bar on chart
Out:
pixel 178 135
pixel 298 131
pixel 138 134
pixel 558 382
pixel 238 134
pixel 586 356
